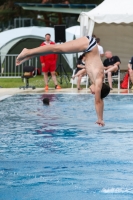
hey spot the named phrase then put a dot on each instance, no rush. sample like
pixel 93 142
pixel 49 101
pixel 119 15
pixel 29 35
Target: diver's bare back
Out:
pixel 94 66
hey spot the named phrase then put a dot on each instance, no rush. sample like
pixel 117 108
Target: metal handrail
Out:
pixel 8 69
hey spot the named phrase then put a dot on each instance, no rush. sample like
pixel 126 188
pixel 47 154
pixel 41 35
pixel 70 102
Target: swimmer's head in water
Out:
pixel 105 90
pixel 46 101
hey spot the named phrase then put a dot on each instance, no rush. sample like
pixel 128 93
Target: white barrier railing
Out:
pixel 8 69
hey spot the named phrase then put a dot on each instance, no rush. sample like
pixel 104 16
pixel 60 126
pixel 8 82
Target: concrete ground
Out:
pixel 6 92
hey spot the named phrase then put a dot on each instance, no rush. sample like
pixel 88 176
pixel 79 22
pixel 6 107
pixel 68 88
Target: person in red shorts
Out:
pixel 48 63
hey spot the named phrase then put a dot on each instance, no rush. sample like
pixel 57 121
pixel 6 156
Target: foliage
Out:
pixel 9 10
pixel 86 1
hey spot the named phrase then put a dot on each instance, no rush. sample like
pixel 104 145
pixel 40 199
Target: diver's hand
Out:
pixel 100 123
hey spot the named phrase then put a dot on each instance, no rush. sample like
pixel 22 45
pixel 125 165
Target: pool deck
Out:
pixel 6 92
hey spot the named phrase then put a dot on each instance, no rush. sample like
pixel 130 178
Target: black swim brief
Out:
pixel 92 44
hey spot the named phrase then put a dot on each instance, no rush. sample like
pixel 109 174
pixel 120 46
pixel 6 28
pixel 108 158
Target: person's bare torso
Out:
pixel 94 66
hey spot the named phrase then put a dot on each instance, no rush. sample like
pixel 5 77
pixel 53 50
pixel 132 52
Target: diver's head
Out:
pixel 46 101
pixel 104 91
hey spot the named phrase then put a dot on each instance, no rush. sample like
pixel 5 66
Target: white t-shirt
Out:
pixel 100 49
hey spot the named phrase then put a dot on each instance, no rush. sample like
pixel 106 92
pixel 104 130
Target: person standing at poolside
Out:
pixel 93 64
pixel 48 63
pixel 100 48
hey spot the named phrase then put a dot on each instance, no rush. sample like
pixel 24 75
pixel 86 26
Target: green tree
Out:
pixel 9 10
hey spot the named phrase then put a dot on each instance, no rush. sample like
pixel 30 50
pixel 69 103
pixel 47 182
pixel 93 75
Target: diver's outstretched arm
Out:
pixel 73 46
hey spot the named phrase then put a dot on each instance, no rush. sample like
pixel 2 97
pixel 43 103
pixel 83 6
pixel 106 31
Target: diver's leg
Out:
pixel 73 46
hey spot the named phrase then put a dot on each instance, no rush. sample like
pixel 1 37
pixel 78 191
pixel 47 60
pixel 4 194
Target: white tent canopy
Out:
pixel 112 22
pixel 11 37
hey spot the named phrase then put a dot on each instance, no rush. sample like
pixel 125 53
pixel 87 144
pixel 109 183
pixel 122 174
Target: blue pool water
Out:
pixel 57 152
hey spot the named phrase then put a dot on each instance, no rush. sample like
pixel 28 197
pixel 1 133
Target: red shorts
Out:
pixel 49 67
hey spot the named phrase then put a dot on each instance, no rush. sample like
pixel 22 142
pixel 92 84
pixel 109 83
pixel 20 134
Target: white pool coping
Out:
pixel 8 92
pixel 4 97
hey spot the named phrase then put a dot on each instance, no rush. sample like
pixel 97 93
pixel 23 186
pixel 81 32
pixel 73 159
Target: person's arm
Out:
pixel 101 52
pixel 99 104
pixel 117 63
pixel 81 66
pixel 42 61
pixel 130 64
pixel 42 58
pixel 102 55
pixel 105 68
pixel 55 55
pixel 105 65
pixel 117 60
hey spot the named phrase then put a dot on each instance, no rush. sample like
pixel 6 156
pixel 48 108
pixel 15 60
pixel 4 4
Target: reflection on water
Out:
pixel 58 152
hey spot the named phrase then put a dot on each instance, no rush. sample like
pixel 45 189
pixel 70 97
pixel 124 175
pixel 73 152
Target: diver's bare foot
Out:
pixel 22 57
